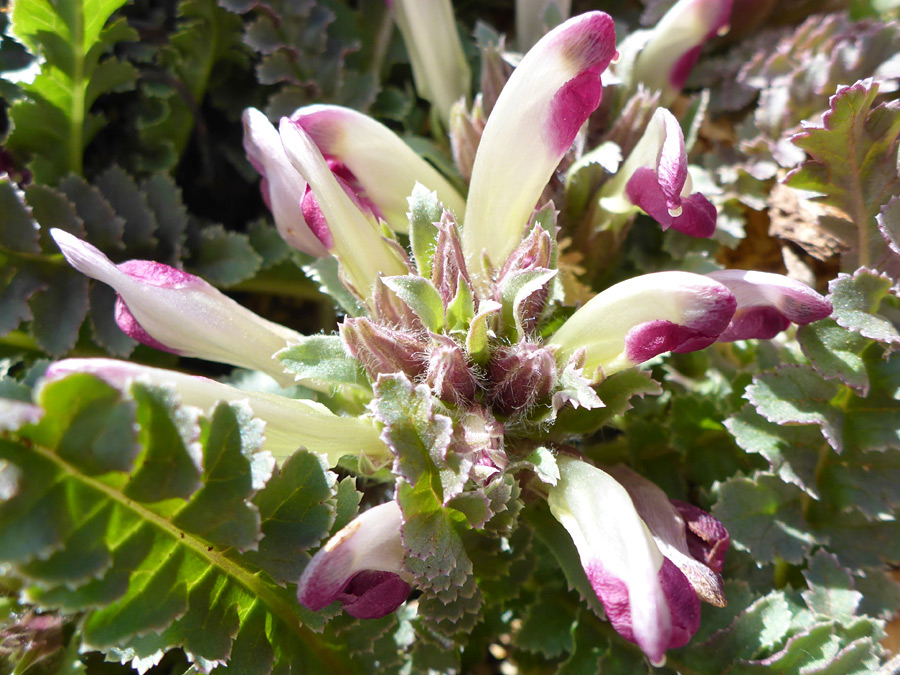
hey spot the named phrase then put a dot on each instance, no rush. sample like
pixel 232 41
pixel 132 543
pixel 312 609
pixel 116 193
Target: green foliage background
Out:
pixel 138 532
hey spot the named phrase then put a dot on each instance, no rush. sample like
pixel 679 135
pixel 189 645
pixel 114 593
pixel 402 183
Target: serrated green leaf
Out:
pixel 59 310
pixel 764 516
pixel 421 297
pixel 857 300
pixel 53 123
pixel 321 362
pixel 761 626
pixel 417 436
pixel 223 258
pixel 18 231
pixel 297 512
pixel 853 165
pixel 438 560
pixel 104 228
pixel 798 395
pixel 547 625
pixel 835 353
pixel 170 435
pixel 140 581
pixel 831 594
pixel 220 511
pixel 616 393
pixel 206 38
pixel 164 199
pixel 792 451
pixel 130 204
pixel 106 331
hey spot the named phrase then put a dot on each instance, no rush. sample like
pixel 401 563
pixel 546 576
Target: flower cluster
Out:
pixel 473 314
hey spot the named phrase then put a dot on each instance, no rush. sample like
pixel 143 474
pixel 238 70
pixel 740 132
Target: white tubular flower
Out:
pixel 346 228
pixel 674 45
pixel 439 65
pixel 655 179
pixel 178 312
pixel 537 116
pixel 646 598
pixel 768 303
pixel 282 185
pixel 635 320
pixel 361 566
pixel 290 423
pixel 371 156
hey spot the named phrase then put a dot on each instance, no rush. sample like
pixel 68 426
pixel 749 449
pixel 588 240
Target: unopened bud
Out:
pixel 533 252
pixel 449 374
pixel 520 376
pixel 449 262
pixel 383 350
pixel 465 134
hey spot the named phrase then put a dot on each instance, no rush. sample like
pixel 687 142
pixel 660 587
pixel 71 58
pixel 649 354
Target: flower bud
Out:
pixel 520 376
pixel 537 116
pixel 340 219
pixel 449 374
pixel 465 135
pixel 373 163
pixel 177 312
pixel 449 263
pixel 532 253
pixel 383 350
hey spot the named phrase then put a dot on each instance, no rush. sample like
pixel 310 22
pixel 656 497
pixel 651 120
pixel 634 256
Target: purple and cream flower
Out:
pixel 768 303
pixel 361 567
pixel 551 93
pixel 647 598
pixel 676 41
pixel 655 179
pixel 281 183
pixel 375 166
pixel 174 311
pixel 637 319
